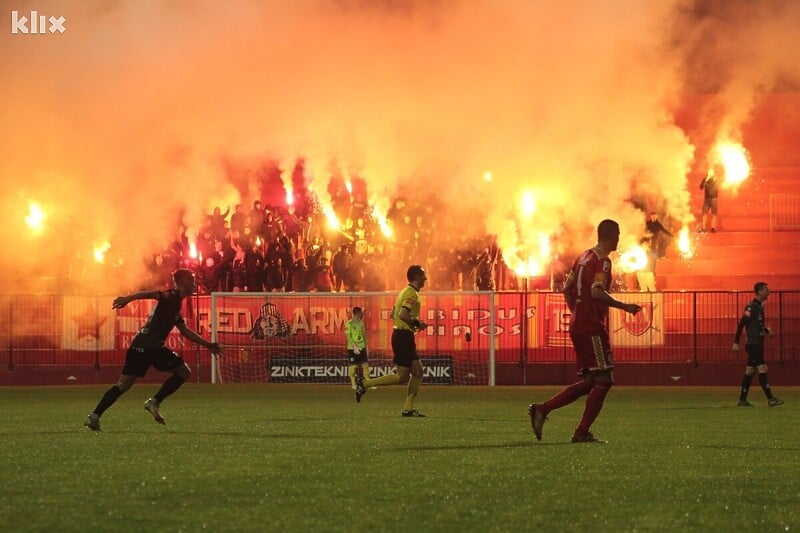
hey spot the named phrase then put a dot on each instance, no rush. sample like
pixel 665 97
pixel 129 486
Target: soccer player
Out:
pixel 148 347
pixel 406 322
pixel 356 346
pixel 753 320
pixel 586 293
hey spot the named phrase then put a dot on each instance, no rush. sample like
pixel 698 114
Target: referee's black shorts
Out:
pixel 404 347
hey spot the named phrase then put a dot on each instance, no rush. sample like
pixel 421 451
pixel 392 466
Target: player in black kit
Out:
pixel 148 347
pixel 753 320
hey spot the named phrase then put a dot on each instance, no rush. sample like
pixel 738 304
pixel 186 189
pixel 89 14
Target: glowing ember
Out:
pixel 35 218
pixel 289 197
pixel 258 241
pixel 734 159
pixel 685 244
pixel 349 186
pixel 633 259
pixel 100 251
pixel 193 250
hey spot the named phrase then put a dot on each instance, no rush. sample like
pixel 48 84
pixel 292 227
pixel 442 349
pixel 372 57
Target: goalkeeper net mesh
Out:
pixel 299 337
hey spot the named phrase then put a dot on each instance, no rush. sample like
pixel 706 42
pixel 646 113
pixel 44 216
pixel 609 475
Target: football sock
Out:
pixel 762 380
pixel 172 384
pixel 566 396
pixel 107 400
pixel 413 389
pixel 388 379
pixel 745 387
pixel 594 403
pixel 351 371
pixel 365 371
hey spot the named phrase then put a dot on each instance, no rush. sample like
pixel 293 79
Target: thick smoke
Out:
pixel 145 113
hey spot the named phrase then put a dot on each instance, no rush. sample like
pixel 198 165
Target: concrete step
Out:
pixel 757 265
pixel 707 250
pixel 748 238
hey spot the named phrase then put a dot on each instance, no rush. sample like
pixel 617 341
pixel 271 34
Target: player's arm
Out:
pixel 600 293
pixel 740 327
pixel 348 333
pixel 414 323
pixel 190 334
pixel 121 301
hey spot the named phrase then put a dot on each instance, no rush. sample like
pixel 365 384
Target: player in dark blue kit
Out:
pixel 148 347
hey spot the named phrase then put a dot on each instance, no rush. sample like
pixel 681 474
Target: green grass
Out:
pixel 308 458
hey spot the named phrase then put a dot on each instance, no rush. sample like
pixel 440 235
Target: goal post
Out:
pixel 299 337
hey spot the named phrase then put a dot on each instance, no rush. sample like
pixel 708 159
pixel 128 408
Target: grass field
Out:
pixel 308 458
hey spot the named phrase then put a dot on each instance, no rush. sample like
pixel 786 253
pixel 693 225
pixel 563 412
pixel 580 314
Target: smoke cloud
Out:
pixel 145 114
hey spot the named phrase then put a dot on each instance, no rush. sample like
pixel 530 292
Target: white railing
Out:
pixel 784 212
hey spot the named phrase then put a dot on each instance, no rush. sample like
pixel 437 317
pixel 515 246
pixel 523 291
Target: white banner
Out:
pixel 645 328
pixel 87 323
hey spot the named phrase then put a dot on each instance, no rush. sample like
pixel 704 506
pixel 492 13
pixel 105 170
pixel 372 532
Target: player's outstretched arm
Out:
pixel 213 347
pixel 121 301
pixel 600 293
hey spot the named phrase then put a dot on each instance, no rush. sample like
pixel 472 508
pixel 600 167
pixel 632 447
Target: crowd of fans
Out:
pixel 275 248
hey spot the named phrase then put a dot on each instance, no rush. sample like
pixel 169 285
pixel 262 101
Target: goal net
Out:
pixel 299 337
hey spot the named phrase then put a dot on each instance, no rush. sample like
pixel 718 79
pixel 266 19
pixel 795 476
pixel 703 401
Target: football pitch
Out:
pixel 308 458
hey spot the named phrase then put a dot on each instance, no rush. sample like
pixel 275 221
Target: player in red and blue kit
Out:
pixel 148 347
pixel 586 293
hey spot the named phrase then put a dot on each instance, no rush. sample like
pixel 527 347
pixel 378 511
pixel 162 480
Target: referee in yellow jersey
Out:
pixel 406 322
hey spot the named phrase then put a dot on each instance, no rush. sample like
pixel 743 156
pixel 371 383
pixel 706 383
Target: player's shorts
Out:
pixel 139 360
pixel 404 347
pixel 755 354
pixel 357 359
pixel 592 352
pixel 710 204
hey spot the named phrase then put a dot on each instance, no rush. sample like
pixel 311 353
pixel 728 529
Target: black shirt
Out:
pixel 753 320
pixel 165 315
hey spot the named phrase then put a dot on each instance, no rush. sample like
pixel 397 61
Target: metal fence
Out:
pixel 784 212
pixel 696 327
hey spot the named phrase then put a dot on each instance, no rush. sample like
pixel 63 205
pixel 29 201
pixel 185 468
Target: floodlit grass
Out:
pixel 308 458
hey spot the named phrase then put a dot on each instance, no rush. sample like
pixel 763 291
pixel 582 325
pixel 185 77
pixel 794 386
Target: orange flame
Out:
pixel 735 160
pixel 35 218
pixel 100 251
pixel 633 259
pixel 685 244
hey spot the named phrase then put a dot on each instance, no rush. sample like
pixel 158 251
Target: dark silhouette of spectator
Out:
pixel 710 190
pixel 208 275
pixel 257 219
pixel 237 219
pixel 340 263
pixel 300 276
pixel 274 275
pixel 658 235
pixel 485 271
pixel 254 269
pixel 286 252
pixel 217 223
pixel 323 277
